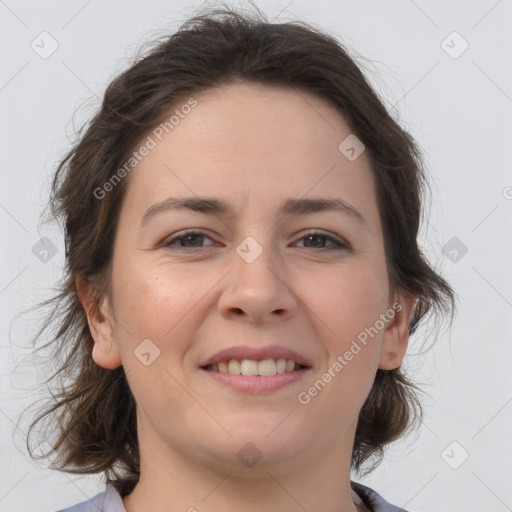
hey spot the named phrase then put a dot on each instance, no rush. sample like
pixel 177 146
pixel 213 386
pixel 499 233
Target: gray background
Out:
pixel 457 105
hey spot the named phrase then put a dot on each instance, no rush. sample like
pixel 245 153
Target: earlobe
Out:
pixel 105 352
pixel 396 336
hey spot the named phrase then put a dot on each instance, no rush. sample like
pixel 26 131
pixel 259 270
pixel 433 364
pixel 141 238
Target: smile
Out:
pixel 251 367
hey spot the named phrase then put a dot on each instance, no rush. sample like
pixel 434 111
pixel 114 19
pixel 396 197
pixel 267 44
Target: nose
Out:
pixel 257 291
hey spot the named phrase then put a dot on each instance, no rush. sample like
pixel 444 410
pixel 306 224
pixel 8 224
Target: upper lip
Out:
pixel 245 352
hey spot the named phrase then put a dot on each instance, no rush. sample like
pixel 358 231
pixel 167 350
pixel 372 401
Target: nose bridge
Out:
pixel 258 261
pixel 257 283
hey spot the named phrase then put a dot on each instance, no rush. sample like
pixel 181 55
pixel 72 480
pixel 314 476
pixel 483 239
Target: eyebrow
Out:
pixel 213 206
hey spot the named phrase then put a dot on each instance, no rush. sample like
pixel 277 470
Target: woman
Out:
pixel 243 276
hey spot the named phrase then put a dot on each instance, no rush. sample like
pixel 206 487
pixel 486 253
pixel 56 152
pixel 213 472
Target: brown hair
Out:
pixel 97 430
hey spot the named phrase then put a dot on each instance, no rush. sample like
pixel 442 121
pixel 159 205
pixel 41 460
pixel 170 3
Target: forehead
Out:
pixel 253 143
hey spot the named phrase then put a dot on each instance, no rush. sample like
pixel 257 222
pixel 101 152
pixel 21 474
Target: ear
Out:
pixel 396 335
pixel 101 324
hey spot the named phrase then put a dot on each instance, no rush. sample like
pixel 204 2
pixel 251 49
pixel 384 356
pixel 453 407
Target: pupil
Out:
pixel 314 237
pixel 188 237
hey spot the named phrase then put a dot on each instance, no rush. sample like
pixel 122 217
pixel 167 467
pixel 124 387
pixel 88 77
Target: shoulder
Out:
pixel 107 501
pixel 373 500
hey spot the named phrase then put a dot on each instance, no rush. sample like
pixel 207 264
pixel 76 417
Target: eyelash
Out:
pixel 339 244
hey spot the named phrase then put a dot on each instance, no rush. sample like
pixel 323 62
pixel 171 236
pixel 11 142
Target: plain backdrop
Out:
pixel 443 68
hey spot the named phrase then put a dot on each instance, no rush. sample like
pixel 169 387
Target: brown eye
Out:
pixel 187 240
pixel 315 240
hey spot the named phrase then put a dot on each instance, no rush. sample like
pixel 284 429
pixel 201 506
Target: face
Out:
pixel 269 275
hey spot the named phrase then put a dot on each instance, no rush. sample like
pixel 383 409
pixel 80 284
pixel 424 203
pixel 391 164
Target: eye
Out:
pixel 191 239
pixel 315 238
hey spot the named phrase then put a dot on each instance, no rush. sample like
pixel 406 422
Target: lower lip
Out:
pixel 256 384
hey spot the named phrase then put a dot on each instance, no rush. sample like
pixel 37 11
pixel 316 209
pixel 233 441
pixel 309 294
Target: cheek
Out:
pixel 360 330
pixel 151 303
pixel 162 302
pixel 156 304
pixel 346 301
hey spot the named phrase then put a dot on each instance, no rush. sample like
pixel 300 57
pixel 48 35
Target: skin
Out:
pixel 253 146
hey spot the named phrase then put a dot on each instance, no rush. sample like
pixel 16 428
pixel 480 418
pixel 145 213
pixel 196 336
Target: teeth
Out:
pixel 234 367
pixel 249 367
pixel 281 365
pixel 265 368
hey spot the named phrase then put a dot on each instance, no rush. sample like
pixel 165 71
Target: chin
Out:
pixel 258 444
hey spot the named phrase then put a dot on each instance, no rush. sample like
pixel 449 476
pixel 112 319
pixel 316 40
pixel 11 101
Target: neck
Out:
pixel 228 492
pixel 171 481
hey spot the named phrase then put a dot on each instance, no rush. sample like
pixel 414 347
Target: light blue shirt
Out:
pixel 110 501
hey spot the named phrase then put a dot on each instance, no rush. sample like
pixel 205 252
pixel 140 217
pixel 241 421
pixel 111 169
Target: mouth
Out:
pixel 256 370
pixel 251 367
